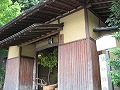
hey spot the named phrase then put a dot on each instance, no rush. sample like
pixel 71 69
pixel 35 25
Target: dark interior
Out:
pixel 43 71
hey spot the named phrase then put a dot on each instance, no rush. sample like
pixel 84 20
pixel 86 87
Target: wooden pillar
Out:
pixel 93 63
pixel 19 70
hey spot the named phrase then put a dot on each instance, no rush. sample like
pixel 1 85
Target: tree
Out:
pixel 2 75
pixel 27 3
pixel 114 20
pixel 8 11
pixel 50 61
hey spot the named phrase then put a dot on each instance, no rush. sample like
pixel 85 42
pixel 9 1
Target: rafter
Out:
pixel 49 12
pixel 27 33
pixel 102 2
pixel 102 15
pixel 103 7
pixel 45 30
pixel 55 8
pixel 37 39
pixel 103 11
pixel 63 4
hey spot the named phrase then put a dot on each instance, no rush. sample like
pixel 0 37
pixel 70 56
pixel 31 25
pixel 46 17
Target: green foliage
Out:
pixel 3 51
pixel 114 20
pixel 27 3
pixel 115 64
pixel 115 77
pixel 8 11
pixel 50 60
pixel 116 52
pixel 117 35
pixel 2 75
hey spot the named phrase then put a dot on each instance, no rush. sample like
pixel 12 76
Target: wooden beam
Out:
pixel 46 46
pixel 23 37
pixel 49 25
pixel 77 1
pixel 40 38
pixel 17 34
pixel 55 8
pixel 89 57
pixel 65 14
pixel 86 23
pixel 83 3
pixel 27 32
pixel 103 11
pixel 38 31
pixel 30 35
pixel 49 12
pixel 40 15
pixel 103 2
pixel 35 19
pixel 42 28
pixel 63 4
pixel 103 7
pixel 105 15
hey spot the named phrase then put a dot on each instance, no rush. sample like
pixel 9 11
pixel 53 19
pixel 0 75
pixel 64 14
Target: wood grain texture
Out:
pixel 26 73
pixel 12 74
pixel 73 69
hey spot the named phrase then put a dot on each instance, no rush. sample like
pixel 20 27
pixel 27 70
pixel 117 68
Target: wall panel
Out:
pixel 12 74
pixel 26 73
pixel 74 26
pixel 73 66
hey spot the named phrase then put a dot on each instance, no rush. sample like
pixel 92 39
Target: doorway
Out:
pixel 44 74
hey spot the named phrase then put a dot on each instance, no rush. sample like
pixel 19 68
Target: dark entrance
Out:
pixel 42 72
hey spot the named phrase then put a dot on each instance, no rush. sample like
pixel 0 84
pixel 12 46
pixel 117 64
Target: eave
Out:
pixel 52 10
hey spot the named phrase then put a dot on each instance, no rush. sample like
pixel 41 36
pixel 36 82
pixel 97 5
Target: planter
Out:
pixel 49 87
pixel 56 88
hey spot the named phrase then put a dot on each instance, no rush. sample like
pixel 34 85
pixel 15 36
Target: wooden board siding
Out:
pixel 12 74
pixel 95 66
pixel 73 66
pixel 26 73
pixel 19 74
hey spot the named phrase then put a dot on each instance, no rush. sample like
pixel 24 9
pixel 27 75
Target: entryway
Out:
pixel 45 74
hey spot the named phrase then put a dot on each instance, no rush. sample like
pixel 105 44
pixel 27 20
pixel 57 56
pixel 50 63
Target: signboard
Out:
pixel 105 42
pixel 103 72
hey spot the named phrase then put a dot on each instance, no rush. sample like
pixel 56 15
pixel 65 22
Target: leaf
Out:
pixel 8 11
pixel 50 60
pixel 114 20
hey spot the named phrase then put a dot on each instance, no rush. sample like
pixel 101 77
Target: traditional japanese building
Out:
pixel 65 24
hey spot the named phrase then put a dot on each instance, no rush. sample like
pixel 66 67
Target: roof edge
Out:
pixel 23 15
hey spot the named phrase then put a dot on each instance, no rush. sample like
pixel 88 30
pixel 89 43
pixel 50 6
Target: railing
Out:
pixel 41 82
